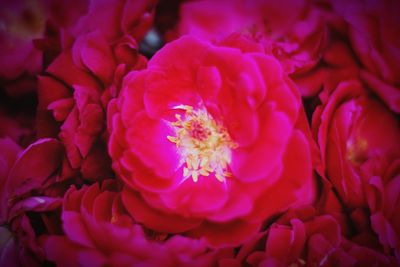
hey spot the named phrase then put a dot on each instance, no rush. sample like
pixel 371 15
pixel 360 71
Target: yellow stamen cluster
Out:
pixel 204 144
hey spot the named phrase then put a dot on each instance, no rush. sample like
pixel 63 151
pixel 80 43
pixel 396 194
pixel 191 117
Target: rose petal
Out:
pixel 35 165
pixel 75 228
pixel 71 75
pixel 206 195
pixel 148 140
pixel 156 220
pixel 95 54
pixel 257 161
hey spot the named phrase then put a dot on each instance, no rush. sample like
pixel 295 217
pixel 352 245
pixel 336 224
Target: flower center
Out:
pixel 203 143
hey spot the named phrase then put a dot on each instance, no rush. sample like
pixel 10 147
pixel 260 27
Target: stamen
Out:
pixel 204 144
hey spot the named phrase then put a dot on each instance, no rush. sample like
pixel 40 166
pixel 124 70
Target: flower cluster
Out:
pixel 200 133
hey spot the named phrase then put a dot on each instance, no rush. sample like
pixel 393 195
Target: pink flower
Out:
pixel 293 31
pixel 358 138
pixel 24 175
pixel 98 232
pixel 114 19
pixel 354 128
pixel 374 35
pixel 337 64
pixel 305 239
pixel 75 90
pixel 306 38
pixel 207 140
pixel 23 171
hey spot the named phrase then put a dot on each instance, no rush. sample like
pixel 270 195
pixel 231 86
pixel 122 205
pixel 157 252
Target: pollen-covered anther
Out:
pixel 203 144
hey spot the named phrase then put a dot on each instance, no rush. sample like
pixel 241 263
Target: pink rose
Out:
pixel 306 38
pixel 98 232
pixel 24 175
pixel 114 19
pixel 75 90
pixel 305 239
pixel 353 128
pixel 358 137
pixel 337 64
pixel 207 140
pixel 374 35
pixel 295 35
pixel 76 113
pixel 24 171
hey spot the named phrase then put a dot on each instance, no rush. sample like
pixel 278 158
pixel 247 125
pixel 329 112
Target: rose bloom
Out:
pixel 76 87
pixel 208 139
pixel 303 37
pixel 337 64
pixel 296 35
pixel 374 34
pixel 358 137
pixel 23 176
pixel 70 104
pixel 353 128
pixel 304 238
pixel 99 232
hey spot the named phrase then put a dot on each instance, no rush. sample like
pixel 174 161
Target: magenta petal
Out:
pixel 67 135
pixel 136 15
pixel 38 204
pixel 156 219
pixel 8 155
pixel 162 94
pixel 239 204
pixel 278 242
pixel 163 90
pixel 107 236
pixel 327 227
pixel 389 94
pixel 178 55
pixel 386 233
pixel 242 123
pixel 75 228
pixel 132 101
pixel 102 206
pixel 34 166
pixel 71 75
pixel 148 140
pixel 61 108
pixel 209 82
pixel 257 162
pixel 93 51
pixel 205 195
pixel 144 177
